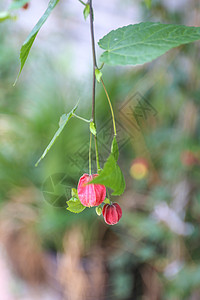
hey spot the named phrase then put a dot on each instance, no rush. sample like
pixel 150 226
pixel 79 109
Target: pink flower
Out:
pixel 112 213
pixel 90 194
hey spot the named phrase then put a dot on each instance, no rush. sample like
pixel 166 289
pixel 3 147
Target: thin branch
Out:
pixel 82 2
pixel 83 119
pixel 97 155
pixel 90 150
pixel 111 109
pixel 94 59
pixel 94 78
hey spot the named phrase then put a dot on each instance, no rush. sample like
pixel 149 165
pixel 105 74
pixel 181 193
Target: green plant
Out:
pixel 129 45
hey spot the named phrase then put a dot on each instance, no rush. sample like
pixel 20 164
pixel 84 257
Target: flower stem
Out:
pixel 83 119
pixel 90 161
pixel 82 2
pixel 111 109
pixel 94 77
pixel 97 157
pixel 108 194
pixel 101 67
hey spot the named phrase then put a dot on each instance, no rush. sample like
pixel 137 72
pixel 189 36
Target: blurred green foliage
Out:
pixel 29 116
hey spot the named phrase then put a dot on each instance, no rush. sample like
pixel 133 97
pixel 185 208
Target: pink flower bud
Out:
pixel 90 194
pixel 112 213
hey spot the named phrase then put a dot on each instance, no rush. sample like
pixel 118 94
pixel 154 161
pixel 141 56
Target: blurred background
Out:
pixel 46 252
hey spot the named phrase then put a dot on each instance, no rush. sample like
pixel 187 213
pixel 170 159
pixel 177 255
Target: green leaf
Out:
pixel 141 43
pixel 86 11
pixel 18 4
pixel 5 15
pixel 98 75
pixel 114 148
pixel 93 128
pixel 26 47
pixel 111 176
pixel 63 121
pixel 75 205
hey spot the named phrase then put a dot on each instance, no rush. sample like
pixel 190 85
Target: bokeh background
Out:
pixel 46 252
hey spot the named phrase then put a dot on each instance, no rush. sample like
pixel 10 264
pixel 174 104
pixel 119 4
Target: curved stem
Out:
pixel 94 77
pixel 101 67
pixel 111 108
pixel 83 119
pixel 97 156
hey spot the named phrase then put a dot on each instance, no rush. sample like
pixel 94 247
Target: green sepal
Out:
pixel 98 210
pixel 106 201
pixel 86 11
pixel 93 128
pixel 98 75
pixel 74 193
pixel 75 205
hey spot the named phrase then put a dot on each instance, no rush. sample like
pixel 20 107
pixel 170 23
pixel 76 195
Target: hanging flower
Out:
pixel 90 194
pixel 112 213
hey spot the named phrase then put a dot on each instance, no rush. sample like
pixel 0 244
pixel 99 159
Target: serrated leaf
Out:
pixel 111 176
pixel 86 11
pixel 93 128
pixel 5 15
pixel 114 148
pixel 75 205
pixel 63 121
pixel 98 75
pixel 26 47
pixel 141 43
pixel 16 4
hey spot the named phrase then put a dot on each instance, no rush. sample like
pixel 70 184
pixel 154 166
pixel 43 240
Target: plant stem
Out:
pixel 108 194
pixel 82 2
pixel 97 156
pixel 94 78
pixel 83 119
pixel 94 59
pixel 111 109
pixel 101 67
pixel 90 161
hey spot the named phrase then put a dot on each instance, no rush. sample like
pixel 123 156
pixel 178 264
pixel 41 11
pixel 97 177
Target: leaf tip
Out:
pixel 15 82
pixel 37 163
